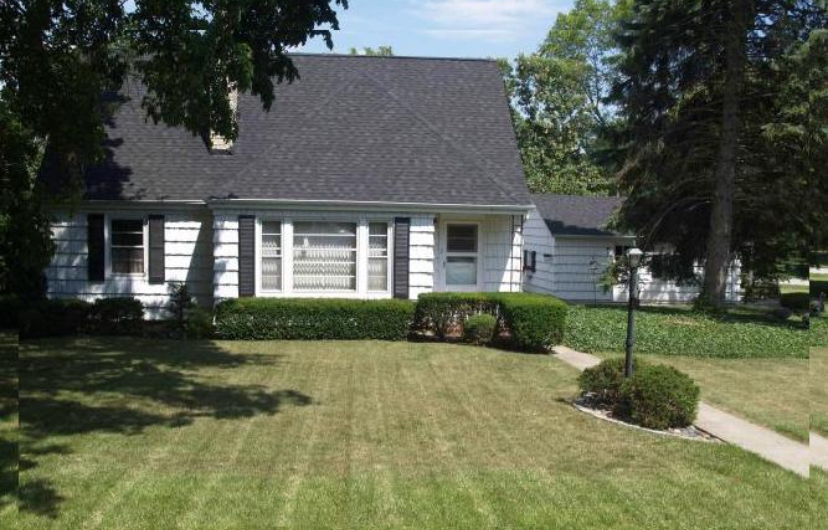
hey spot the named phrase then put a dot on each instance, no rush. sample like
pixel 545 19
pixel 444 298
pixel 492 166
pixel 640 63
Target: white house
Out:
pixel 370 177
pixel 568 247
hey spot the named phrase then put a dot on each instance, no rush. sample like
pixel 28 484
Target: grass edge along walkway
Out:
pixel 756 439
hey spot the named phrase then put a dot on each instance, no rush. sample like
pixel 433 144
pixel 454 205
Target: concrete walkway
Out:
pixel 759 440
pixel 819 451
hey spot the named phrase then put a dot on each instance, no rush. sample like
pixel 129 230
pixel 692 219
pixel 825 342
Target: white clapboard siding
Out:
pixel 422 240
pixel 563 269
pixel 188 259
pixel 502 246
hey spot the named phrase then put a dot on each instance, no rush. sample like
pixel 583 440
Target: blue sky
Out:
pixel 445 28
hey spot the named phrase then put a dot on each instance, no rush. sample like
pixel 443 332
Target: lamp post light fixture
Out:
pixel 634 256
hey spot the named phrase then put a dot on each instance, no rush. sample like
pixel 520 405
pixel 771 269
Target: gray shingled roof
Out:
pixel 410 130
pixel 575 215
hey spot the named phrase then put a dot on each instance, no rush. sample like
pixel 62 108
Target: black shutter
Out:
pixel 156 249
pixel 402 226
pixel 247 255
pixel 534 261
pixel 95 246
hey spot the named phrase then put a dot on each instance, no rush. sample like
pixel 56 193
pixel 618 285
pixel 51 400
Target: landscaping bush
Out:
pixel 9 311
pixel 199 324
pixel 313 319
pixel 535 322
pixel 796 301
pixel 658 397
pixel 441 312
pixel 52 318
pixel 117 316
pixel 480 329
pixel 602 383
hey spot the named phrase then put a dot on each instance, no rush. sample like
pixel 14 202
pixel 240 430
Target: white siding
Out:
pixel 564 269
pixel 188 259
pixel 502 237
pixel 421 247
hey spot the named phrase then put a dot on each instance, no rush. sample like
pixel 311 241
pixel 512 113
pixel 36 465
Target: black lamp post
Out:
pixel 634 256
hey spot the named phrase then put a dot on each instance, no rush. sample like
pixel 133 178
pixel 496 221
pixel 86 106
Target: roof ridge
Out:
pixel 439 133
pixel 392 57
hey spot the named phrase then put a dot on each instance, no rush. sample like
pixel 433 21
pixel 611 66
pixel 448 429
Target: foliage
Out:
pixel 602 383
pixel 796 301
pixel 534 322
pixel 181 304
pixel 658 397
pixel 58 58
pixel 199 324
pixel 381 51
pixel 674 77
pixel 116 316
pixel 313 319
pixel 444 312
pixel 25 242
pixel 741 333
pixel 480 329
pixel 558 96
pixel 51 318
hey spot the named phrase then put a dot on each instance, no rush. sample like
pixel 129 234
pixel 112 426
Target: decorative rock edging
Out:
pixel 692 433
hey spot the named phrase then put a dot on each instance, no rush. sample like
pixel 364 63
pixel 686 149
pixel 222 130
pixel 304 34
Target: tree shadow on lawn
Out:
pixel 60 382
pixel 9 431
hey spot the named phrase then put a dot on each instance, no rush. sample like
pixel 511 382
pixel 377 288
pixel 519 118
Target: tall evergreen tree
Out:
pixel 701 83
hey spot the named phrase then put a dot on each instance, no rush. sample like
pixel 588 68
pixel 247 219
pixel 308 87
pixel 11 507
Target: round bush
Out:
pixel 199 324
pixel 603 382
pixel 479 329
pixel 658 397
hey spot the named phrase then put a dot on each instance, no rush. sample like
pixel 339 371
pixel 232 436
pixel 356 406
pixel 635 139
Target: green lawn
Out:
pixel 819 391
pixel 8 423
pixel 130 433
pixel 743 333
pixel 766 391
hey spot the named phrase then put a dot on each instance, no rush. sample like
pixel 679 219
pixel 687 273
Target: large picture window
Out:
pixel 377 256
pixel 271 256
pixel 127 245
pixel 324 256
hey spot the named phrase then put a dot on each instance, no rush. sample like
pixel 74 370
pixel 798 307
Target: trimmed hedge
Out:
pixel 656 396
pixel 535 322
pixel 57 317
pixel 659 397
pixel 480 329
pixel 313 319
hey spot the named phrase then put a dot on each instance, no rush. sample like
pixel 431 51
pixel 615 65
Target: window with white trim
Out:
pixel 271 255
pixel 461 255
pixel 127 246
pixel 378 257
pixel 324 256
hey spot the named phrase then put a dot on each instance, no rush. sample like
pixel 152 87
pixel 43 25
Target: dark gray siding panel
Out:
pixel 247 255
pixel 95 243
pixel 156 249
pixel 402 228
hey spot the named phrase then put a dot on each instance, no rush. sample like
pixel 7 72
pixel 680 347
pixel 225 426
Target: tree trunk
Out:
pixel 718 252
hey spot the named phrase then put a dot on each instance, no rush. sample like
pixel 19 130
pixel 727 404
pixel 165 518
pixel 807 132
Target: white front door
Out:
pixel 461 261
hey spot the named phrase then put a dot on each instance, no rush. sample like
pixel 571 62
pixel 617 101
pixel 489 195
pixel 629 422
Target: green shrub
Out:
pixel 10 308
pixel 480 329
pixel 603 382
pixel 53 318
pixel 181 303
pixel 440 312
pixel 313 319
pixel 658 397
pixel 199 324
pixel 117 316
pixel 796 301
pixel 535 322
